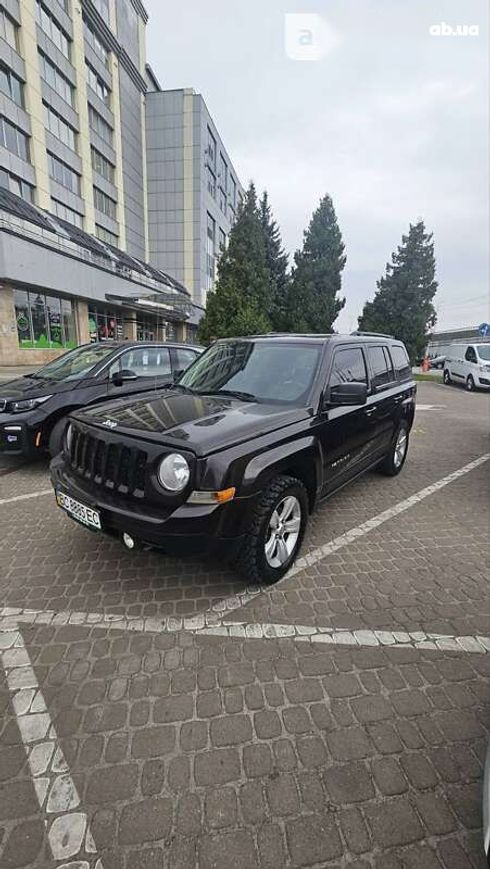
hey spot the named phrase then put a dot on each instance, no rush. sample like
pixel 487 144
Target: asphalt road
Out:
pixel 157 713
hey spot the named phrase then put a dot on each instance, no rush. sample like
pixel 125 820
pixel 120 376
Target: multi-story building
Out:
pixel 193 188
pixel 72 131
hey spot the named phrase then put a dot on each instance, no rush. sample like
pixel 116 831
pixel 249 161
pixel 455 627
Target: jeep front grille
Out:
pixel 115 466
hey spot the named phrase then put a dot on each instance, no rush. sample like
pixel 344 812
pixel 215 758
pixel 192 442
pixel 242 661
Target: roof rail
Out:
pixel 371 334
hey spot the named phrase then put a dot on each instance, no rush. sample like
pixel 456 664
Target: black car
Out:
pixel 34 408
pixel 237 454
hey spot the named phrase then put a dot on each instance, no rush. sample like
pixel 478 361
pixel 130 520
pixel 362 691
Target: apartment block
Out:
pixel 193 188
pixel 72 131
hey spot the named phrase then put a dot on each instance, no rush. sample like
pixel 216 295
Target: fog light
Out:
pixel 128 541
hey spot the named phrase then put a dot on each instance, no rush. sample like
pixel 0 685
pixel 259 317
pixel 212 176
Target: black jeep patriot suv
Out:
pixel 238 452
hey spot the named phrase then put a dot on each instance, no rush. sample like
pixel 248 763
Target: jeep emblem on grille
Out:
pixel 110 423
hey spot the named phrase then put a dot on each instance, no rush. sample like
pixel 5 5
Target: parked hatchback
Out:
pixel 34 408
pixel 236 455
pixel 468 364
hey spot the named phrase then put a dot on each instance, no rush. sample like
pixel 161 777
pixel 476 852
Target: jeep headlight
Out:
pixel 174 472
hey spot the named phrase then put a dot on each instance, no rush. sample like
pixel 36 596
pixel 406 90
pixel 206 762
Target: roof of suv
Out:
pixel 315 337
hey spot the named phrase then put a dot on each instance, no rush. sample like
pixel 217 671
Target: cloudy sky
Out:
pixel 392 122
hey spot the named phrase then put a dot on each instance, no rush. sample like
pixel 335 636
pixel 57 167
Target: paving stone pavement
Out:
pixel 194 751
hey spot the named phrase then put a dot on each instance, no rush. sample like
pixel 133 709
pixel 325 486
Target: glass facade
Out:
pixel 104 324
pixel 53 30
pixel 11 86
pixel 44 322
pixel 14 140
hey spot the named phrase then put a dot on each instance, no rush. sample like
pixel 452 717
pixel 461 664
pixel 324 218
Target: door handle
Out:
pixel 371 410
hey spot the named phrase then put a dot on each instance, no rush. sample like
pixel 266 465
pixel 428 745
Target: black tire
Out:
pixel 470 383
pixel 55 443
pixel 391 466
pixel 446 377
pixel 251 559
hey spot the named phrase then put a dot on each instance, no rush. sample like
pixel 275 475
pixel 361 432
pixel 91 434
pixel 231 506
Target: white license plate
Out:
pixel 79 511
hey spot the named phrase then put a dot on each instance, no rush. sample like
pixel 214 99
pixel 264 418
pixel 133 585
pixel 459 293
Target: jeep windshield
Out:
pixel 75 364
pixel 278 372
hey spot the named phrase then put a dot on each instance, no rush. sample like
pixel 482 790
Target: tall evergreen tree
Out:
pixel 402 305
pixel 277 263
pixel 240 304
pixel 313 303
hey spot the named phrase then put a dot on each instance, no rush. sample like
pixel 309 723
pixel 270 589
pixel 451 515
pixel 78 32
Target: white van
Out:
pixel 468 364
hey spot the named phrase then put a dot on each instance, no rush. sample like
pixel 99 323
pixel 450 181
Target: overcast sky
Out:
pixel 392 122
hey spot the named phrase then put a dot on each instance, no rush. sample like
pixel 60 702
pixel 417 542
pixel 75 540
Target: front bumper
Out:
pixel 16 436
pixel 187 529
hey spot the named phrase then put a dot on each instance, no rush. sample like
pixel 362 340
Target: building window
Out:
pixel 99 125
pixel 16 185
pixel 59 128
pixel 52 76
pixel 44 321
pixel 211 182
pixel 211 151
pixel 222 200
pixel 95 43
pixel 102 165
pixel 63 174
pixel 104 203
pixel 104 325
pixel 106 236
pixel 210 247
pixel 8 29
pixel 53 30
pixel 223 183
pixel 65 213
pixel 11 86
pixel 232 191
pixel 102 7
pixel 98 86
pixel 13 139
pixel 221 241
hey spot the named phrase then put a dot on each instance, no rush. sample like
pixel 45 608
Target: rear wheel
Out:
pixel 446 377
pixel 55 443
pixel 394 461
pixel 276 531
pixel 470 383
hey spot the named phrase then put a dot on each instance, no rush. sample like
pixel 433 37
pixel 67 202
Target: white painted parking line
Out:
pixel 321 552
pixel 429 406
pixel 212 624
pixel 68 829
pixel 27 496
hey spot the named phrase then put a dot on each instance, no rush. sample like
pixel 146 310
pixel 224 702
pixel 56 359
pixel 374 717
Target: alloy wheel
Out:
pixel 400 448
pixel 283 531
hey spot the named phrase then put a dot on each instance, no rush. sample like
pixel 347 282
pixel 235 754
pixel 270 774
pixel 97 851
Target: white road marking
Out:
pixel 428 406
pixel 26 497
pixel 321 552
pixel 69 833
pixel 211 624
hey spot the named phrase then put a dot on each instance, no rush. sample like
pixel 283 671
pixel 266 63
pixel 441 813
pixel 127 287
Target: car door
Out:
pixel 182 357
pixel 384 398
pixel 139 369
pixel 345 430
pixel 456 362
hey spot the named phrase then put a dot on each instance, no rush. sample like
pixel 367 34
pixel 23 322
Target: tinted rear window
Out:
pixel 401 362
pixel 381 369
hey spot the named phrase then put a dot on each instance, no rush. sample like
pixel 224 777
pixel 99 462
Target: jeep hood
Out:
pixel 200 423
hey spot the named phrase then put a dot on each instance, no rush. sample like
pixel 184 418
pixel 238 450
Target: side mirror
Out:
pixel 120 377
pixel 178 374
pixel 347 394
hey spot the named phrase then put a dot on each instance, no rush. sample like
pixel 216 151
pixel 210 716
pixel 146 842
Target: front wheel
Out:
pixel 446 377
pixel 276 531
pixel 470 383
pixel 55 443
pixel 394 461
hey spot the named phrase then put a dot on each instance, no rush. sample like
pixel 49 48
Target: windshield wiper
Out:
pixel 233 393
pixel 180 386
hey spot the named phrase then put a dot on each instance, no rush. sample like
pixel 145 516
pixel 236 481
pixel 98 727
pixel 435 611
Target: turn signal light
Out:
pixel 220 497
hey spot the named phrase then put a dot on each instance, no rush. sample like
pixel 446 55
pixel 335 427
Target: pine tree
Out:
pixel 402 305
pixel 277 263
pixel 313 304
pixel 240 304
